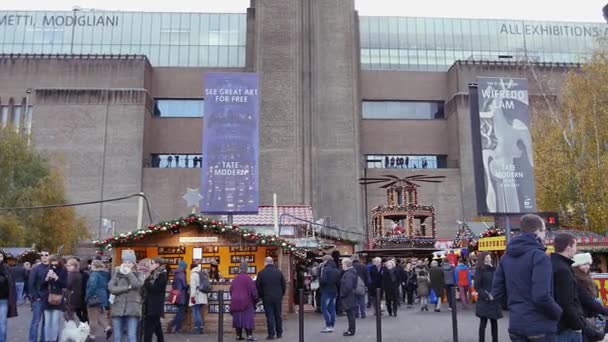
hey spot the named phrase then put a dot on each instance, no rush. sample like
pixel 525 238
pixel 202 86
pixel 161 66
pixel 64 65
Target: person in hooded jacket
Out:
pixel 125 286
pixel 180 284
pixel 587 290
pixel 96 299
pixel 198 298
pixel 155 286
pixel 486 307
pixel 8 298
pixel 328 285
pixel 462 278
pixel 524 277
pixel 448 276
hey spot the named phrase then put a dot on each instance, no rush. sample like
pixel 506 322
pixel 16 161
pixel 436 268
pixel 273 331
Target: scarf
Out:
pixel 158 271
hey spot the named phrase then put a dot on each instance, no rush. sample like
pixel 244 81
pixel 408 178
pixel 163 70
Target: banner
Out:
pixel 601 281
pixel 504 146
pixel 229 174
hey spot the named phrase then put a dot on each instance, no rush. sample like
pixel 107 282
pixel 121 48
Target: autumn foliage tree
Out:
pixel 27 180
pixel 570 135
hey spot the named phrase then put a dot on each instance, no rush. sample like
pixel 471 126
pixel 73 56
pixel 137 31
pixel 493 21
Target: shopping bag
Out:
pixel 433 297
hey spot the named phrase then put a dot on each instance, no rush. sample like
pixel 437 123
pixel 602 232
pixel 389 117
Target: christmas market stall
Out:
pixel 218 246
pixel 15 255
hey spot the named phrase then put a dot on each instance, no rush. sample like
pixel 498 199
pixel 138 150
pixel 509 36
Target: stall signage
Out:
pixel 601 280
pixel 193 239
pixel 495 243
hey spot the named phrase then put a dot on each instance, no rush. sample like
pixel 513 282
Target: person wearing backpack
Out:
pixel 200 286
pixel 462 277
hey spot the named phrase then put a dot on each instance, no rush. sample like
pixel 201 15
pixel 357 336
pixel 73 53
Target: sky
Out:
pixel 564 10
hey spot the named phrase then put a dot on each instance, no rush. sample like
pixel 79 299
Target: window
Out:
pixel 424 110
pixel 178 108
pixel 400 161
pixel 12 115
pixel 175 161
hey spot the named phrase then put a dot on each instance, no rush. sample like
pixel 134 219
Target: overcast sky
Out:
pixel 567 10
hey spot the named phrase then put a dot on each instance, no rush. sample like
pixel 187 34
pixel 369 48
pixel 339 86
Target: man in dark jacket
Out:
pixel 361 271
pixel 565 289
pixel 154 286
pixel 524 277
pixel 348 283
pixel 328 285
pixel 36 290
pixel 8 298
pixel 271 287
pixel 375 273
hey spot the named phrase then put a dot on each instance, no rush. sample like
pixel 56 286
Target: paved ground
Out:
pixel 410 325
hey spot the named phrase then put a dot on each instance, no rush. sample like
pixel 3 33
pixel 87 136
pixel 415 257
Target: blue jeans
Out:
pixel 37 318
pixel 536 338
pixel 3 319
pixel 196 316
pixel 128 322
pixel 360 308
pixel 274 321
pixel 328 307
pixel 179 318
pixel 569 336
pixel 19 287
pixel 52 319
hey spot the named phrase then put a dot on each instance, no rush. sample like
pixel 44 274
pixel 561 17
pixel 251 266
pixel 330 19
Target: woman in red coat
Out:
pixel 243 299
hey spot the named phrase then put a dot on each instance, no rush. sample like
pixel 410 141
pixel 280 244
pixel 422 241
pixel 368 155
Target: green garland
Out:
pixel 204 224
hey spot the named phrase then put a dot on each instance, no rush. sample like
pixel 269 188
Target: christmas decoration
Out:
pixel 204 224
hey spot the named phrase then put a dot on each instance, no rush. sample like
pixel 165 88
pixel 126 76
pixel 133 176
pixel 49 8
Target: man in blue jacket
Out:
pixel 328 285
pixel 37 291
pixel 525 277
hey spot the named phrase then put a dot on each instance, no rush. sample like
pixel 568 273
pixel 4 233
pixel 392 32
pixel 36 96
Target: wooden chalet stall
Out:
pixel 200 239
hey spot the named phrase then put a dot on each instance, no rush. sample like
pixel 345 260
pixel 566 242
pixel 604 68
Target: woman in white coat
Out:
pixel 199 287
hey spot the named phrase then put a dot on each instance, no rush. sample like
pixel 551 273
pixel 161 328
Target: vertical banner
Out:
pixel 504 146
pixel 229 174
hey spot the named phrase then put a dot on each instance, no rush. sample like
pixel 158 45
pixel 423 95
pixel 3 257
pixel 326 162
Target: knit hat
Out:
pixel 182 264
pixel 581 259
pixel 128 255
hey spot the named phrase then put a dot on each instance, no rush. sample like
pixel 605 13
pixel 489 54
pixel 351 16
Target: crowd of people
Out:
pixel 175 161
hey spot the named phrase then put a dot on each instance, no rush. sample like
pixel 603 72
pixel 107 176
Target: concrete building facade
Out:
pixel 110 98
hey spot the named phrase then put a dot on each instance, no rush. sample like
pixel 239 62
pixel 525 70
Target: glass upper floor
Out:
pixel 219 39
pixel 167 39
pixel 434 44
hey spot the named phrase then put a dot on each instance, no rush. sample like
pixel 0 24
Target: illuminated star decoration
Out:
pixel 192 198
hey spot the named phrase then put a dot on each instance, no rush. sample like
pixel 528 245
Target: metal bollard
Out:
pixel 220 316
pixel 301 315
pixel 454 316
pixel 378 315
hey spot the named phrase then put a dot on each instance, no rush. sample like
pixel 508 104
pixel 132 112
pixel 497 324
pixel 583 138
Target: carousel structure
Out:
pixel 402 226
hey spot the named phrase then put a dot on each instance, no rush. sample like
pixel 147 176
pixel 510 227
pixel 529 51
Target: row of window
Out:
pixel 421 110
pixel 380 161
pixel 404 161
pixel 14 116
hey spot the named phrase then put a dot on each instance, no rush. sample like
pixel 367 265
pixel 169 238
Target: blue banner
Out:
pixel 229 175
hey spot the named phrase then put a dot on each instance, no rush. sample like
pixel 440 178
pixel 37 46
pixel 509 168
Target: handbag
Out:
pixel 54 299
pixel 593 328
pixel 174 296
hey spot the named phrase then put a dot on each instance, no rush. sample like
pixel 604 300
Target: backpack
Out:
pixel 203 283
pixel 463 277
pixel 360 288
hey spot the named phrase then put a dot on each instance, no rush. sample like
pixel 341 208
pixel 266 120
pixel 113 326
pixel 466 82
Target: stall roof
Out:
pixel 265 216
pixel 15 251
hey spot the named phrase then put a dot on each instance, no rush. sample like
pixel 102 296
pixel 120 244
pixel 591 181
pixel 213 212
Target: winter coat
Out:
pixel 565 293
pixel 180 284
pixel 424 286
pixel 97 287
pixel 126 289
pixel 348 283
pixel 525 277
pixel 35 280
pixel 270 284
pixel 243 294
pixel 195 283
pixel 411 280
pixel 155 287
pixel 330 278
pixel 437 280
pixel 19 274
pixel 6 275
pixel 591 306
pixel 448 274
pixel 55 287
pixel 390 284
pixel 376 277
pixel 462 275
pixel 486 308
pixel 74 290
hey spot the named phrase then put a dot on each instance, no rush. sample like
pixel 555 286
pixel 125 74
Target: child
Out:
pixel 424 285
